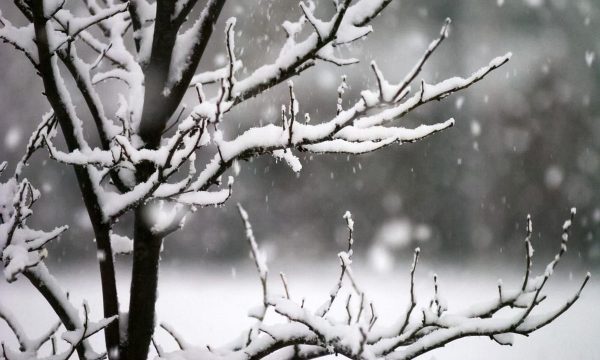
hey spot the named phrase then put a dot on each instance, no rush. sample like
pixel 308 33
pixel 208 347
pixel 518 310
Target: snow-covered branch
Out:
pixel 80 24
pixel 21 38
pixel 22 251
pixel 308 333
pixel 22 248
pixel 356 130
pixel 259 261
pixel 75 339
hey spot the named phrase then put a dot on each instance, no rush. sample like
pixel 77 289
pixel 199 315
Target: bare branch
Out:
pixel 177 337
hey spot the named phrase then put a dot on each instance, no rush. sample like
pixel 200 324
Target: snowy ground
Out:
pixel 209 304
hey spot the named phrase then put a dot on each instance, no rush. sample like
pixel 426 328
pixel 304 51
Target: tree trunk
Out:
pixel 110 300
pixel 144 282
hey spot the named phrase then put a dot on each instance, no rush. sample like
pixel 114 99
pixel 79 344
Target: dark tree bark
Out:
pixel 156 112
pixel 144 282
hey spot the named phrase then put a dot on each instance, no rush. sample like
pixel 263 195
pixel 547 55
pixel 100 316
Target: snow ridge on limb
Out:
pixel 310 334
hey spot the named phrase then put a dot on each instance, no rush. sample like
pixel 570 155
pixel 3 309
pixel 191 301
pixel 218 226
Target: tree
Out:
pixel 146 165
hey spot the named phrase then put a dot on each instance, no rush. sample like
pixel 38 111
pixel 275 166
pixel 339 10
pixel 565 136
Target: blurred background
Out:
pixel 526 141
